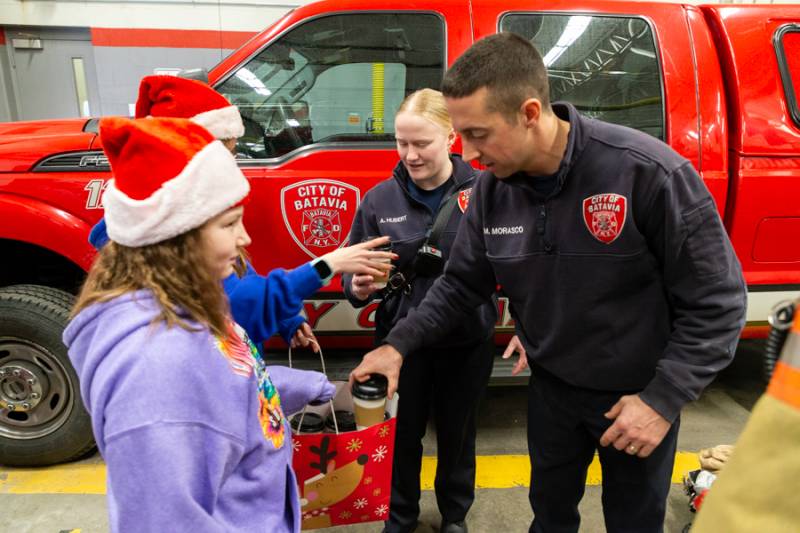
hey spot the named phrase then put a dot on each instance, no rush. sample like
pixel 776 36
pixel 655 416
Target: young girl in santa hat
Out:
pixel 262 305
pixel 183 408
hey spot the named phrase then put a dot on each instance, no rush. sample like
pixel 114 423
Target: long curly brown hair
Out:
pixel 175 271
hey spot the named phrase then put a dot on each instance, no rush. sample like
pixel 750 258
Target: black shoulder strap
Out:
pixel 442 218
pixel 400 280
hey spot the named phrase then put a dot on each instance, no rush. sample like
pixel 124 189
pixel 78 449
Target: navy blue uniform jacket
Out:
pixel 622 279
pixel 389 209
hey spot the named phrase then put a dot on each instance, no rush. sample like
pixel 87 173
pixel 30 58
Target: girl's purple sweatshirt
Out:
pixel 191 426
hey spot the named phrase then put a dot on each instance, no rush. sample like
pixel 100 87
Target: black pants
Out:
pixel 565 424
pixel 451 381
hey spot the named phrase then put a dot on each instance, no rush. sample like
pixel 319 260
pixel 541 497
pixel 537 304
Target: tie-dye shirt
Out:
pixel 245 359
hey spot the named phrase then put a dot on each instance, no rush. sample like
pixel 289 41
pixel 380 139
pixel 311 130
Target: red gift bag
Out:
pixel 344 477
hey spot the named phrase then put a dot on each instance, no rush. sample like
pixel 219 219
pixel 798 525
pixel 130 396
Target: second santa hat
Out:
pixel 170 96
pixel 170 176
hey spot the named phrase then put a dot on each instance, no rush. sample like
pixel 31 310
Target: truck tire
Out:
pixel 42 417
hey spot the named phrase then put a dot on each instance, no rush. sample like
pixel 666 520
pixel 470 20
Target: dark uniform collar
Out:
pixel 462 173
pixel 576 141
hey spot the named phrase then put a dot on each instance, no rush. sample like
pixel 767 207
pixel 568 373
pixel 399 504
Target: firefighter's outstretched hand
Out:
pixel 515 345
pixel 383 360
pixel 362 286
pixel 637 429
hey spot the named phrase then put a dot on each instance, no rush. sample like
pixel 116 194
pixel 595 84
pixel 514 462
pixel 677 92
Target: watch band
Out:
pixel 323 269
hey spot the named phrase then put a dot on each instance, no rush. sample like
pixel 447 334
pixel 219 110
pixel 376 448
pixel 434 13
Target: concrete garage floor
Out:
pixel 718 417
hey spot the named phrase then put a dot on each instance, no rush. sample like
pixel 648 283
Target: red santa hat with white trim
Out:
pixel 171 96
pixel 170 176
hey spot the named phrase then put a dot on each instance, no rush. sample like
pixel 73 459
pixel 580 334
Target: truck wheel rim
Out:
pixel 35 392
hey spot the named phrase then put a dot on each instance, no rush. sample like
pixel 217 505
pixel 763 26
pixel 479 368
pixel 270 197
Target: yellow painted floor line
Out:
pixel 507 471
pixel 62 479
pixel 494 472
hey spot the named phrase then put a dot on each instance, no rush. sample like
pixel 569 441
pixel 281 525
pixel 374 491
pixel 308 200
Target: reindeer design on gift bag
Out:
pixel 330 486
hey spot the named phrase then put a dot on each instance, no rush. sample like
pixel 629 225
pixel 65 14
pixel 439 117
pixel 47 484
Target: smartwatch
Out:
pixel 323 270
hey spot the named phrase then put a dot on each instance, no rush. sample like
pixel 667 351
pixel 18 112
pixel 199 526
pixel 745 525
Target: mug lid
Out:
pixel 345 419
pixel 312 423
pixel 372 389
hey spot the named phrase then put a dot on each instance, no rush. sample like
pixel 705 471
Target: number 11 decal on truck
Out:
pixel 317 92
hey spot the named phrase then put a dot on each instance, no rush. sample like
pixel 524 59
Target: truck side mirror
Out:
pixel 300 112
pixel 199 74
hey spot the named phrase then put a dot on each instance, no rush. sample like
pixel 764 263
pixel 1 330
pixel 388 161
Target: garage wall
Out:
pixel 119 70
pixel 128 40
pixel 7 101
pixel 228 15
pixel 123 56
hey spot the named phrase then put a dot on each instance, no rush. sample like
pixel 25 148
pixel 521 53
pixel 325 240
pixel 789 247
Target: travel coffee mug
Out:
pixel 369 400
pixel 380 281
pixel 312 423
pixel 345 419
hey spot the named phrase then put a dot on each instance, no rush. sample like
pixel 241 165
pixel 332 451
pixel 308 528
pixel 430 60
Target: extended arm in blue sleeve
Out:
pixel 261 304
pixel 289 326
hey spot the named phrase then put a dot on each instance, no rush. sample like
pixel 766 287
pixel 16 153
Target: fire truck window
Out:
pixel 607 67
pixel 788 50
pixel 338 78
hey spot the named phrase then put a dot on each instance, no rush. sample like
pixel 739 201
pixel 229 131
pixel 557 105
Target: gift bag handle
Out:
pixel 319 351
pixel 324 371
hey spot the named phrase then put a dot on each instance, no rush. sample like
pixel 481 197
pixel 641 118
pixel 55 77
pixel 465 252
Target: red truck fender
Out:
pixel 35 222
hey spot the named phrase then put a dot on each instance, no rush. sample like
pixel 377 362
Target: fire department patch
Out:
pixel 319 213
pixel 604 215
pixel 463 199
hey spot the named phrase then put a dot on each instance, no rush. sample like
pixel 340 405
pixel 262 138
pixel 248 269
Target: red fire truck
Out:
pixel 317 92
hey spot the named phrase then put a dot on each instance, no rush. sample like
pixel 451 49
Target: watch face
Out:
pixel 323 269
